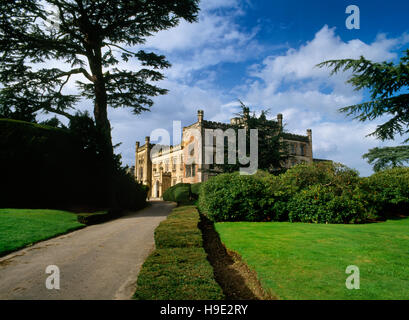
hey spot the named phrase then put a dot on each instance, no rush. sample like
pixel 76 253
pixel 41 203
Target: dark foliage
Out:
pixel 49 167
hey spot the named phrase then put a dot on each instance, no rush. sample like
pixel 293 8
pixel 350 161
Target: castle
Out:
pixel 161 168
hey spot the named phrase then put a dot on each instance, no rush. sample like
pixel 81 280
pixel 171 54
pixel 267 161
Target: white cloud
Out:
pixel 309 98
pixel 214 39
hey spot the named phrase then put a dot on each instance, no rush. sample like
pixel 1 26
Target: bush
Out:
pixel 94 218
pixel 195 190
pixel 322 204
pixel 179 193
pixel 303 176
pixel 318 192
pixel 235 197
pixel 182 193
pixel 386 191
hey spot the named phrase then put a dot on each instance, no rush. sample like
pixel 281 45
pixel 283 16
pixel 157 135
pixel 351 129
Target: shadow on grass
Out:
pixel 237 281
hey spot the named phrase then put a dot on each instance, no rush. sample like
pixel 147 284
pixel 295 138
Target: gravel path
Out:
pixel 97 262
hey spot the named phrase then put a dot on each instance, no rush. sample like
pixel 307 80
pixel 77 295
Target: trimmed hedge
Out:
pixel 178 269
pixel 177 274
pixel 195 190
pixel 179 230
pixel 94 217
pixel 42 166
pixel 180 193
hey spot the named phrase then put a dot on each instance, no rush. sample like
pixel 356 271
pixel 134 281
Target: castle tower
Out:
pixel 280 120
pixel 309 134
pixel 136 160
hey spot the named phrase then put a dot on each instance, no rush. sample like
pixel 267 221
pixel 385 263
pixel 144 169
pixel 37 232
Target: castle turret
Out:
pixel 200 114
pixel 136 160
pixel 309 134
pixel 280 120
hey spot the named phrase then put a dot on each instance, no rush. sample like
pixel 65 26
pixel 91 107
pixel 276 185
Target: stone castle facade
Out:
pixel 161 168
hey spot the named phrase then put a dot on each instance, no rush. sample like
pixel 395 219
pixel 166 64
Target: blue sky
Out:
pixel 264 53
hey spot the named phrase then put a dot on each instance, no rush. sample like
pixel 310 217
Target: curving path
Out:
pixel 97 262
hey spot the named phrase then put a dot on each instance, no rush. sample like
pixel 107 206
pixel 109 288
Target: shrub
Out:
pixel 168 194
pixel 94 218
pixel 195 189
pixel 179 193
pixel 235 197
pixel 322 204
pixel 386 191
pixel 182 193
pixel 303 176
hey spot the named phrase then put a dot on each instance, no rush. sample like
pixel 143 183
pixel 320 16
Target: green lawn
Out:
pixel 21 227
pixel 308 261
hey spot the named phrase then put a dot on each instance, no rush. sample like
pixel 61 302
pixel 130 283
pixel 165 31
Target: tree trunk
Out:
pixel 102 124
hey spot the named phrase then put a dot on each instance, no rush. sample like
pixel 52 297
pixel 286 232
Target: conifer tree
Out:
pixel 388 84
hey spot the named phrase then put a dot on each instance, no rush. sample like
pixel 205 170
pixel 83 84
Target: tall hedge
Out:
pixel 42 166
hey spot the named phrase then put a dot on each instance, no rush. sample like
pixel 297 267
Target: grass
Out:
pixel 178 269
pixel 23 227
pixel 308 261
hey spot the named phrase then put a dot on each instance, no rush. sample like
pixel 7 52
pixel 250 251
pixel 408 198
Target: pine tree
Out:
pixel 388 84
pixel 388 157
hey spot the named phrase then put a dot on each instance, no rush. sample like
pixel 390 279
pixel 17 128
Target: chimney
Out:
pixel 309 134
pixel 200 116
pixel 137 146
pixel 280 120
